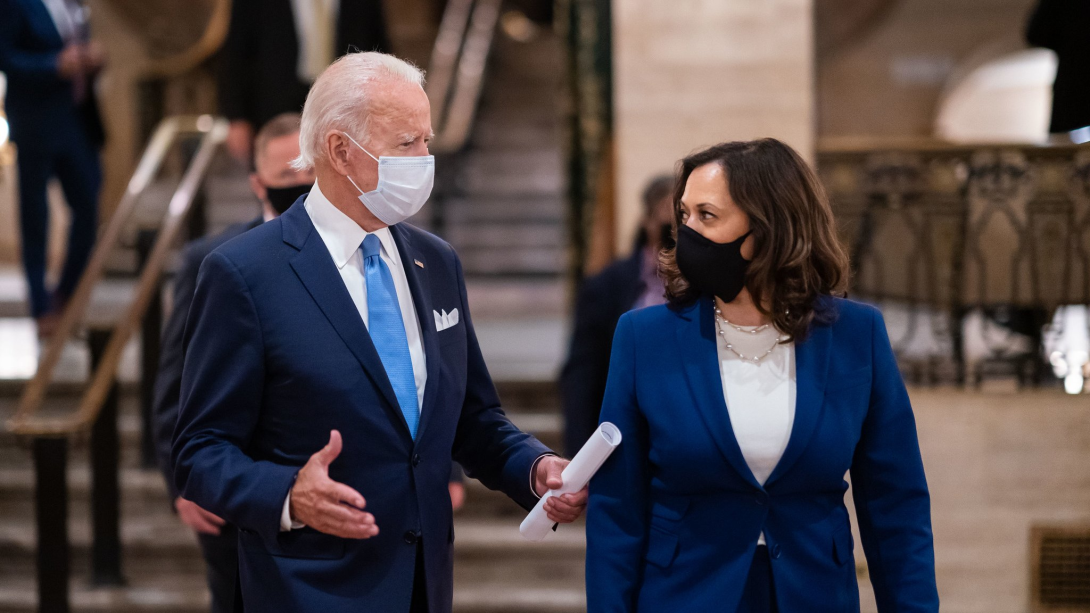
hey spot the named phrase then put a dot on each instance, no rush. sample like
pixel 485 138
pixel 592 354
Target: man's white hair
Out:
pixel 340 97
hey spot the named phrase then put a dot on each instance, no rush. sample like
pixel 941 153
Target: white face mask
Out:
pixel 404 185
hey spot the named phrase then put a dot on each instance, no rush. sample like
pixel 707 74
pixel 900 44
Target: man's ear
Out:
pixel 338 150
pixel 258 188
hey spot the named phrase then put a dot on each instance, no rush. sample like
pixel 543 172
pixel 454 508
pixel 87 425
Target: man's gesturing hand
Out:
pixel 324 504
pixel 561 509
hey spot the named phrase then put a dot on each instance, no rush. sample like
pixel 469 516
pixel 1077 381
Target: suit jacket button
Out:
pixel 416 460
pixel 775 552
pixel 761 498
pixel 411 537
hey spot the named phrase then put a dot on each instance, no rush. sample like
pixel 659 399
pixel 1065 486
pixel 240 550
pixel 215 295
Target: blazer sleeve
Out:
pixel 40 65
pixel 889 488
pixel 617 511
pixel 221 399
pixel 487 445
pixel 168 380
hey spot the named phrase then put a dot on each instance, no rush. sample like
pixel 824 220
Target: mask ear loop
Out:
pixel 349 136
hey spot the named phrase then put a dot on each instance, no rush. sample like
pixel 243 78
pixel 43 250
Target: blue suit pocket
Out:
pixel 304 543
pixel 661 547
pixel 843 546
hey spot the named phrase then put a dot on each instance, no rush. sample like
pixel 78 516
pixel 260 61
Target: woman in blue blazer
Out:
pixel 743 403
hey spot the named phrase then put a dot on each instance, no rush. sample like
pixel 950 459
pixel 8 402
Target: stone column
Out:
pixel 692 73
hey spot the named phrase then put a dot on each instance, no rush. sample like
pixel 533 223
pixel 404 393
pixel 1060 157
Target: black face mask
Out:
pixel 666 236
pixel 712 268
pixel 281 198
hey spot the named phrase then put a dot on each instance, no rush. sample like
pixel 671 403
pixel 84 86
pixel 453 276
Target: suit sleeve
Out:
pixel 168 380
pixel 890 491
pixel 38 65
pixel 616 514
pixel 236 67
pixel 221 399
pixel 1045 25
pixel 487 445
pixel 583 378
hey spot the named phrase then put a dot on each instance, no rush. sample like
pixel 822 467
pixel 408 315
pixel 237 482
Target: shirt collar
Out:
pixel 341 235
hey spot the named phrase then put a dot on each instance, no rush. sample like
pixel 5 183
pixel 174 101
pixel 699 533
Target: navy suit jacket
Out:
pixel 276 357
pixel 40 104
pixel 675 513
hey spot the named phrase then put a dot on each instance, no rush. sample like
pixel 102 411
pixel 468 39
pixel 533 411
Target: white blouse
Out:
pixel 760 396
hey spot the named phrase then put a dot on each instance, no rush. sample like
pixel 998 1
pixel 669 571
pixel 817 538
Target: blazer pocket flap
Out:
pixel 843 546
pixel 661 547
pixel 305 543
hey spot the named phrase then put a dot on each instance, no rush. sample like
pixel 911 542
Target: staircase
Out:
pixel 495 569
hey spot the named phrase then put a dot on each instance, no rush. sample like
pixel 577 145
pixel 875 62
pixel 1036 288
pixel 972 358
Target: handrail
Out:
pixel 213 132
pixel 456 74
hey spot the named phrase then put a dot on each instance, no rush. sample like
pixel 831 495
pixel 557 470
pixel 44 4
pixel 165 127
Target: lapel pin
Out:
pixel 418 263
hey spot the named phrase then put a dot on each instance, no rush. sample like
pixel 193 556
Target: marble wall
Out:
pixel 692 73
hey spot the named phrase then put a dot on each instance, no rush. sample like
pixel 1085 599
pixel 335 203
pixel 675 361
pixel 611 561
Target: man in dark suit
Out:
pixel 332 371
pixel 51 63
pixel 276 48
pixel 1064 27
pixel 622 286
pixel 277 185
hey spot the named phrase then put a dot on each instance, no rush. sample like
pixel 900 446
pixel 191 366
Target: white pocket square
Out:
pixel 445 320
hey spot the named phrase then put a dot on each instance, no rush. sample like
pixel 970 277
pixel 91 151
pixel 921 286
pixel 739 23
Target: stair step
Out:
pixel 502 239
pixel 523 210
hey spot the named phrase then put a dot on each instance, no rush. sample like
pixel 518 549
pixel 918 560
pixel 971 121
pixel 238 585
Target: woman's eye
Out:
pixel 704 216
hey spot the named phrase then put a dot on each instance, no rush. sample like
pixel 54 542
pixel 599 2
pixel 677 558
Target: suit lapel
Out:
pixel 420 289
pixel 315 268
pixel 43 22
pixel 811 369
pixel 696 337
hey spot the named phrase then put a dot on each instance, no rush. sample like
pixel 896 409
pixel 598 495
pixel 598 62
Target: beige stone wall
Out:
pixel 691 73
pixel 889 80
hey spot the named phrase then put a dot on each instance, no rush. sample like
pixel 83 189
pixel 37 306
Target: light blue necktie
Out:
pixel 387 330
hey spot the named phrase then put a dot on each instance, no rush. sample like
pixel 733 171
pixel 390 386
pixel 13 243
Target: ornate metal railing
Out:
pixel 968 249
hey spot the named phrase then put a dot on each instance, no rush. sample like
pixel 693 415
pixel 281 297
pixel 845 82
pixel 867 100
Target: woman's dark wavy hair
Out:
pixel 796 258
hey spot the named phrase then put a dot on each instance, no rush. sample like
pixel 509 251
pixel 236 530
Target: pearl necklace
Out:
pixel 719 320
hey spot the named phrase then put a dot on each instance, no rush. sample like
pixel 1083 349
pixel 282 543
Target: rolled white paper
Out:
pixel 578 473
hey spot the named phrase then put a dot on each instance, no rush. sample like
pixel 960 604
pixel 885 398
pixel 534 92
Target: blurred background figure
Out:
pixel 51 64
pixel 1064 27
pixel 627 284
pixel 276 48
pixel 276 186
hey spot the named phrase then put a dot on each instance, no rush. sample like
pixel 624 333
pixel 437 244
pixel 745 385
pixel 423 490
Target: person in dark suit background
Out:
pixel 632 282
pixel 277 185
pixel 1064 27
pixel 51 64
pixel 276 48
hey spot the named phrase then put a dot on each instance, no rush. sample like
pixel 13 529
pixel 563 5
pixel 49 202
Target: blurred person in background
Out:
pixel 743 403
pixel 1064 27
pixel 276 48
pixel 51 64
pixel 626 284
pixel 277 185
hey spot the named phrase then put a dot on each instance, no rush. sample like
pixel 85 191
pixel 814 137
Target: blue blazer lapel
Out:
pixel 420 288
pixel 811 370
pixel 316 270
pixel 42 22
pixel 696 338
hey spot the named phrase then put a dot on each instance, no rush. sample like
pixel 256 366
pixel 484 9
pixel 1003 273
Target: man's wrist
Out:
pixel 533 473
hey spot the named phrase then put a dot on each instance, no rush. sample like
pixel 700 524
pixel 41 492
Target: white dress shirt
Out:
pixel 760 396
pixel 343 238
